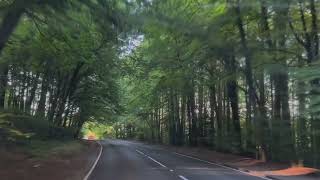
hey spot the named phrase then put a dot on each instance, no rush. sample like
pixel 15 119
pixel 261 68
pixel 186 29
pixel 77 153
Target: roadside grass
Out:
pixel 24 134
pixel 44 149
pixel 9 134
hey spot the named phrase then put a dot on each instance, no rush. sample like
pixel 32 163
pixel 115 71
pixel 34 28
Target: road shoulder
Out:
pixel 70 161
pixel 269 170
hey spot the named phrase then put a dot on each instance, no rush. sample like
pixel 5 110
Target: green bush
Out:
pixel 19 128
pixel 27 124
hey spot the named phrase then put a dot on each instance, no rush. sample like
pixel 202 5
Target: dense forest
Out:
pixel 236 76
pixel 58 61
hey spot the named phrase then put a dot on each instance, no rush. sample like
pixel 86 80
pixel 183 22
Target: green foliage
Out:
pixel 59 65
pixel 21 128
pixel 45 149
pixel 98 130
pixel 239 76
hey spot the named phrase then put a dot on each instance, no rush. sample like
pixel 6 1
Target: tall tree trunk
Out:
pixel 66 116
pixel 4 81
pixel 10 22
pixel 314 30
pixel 32 93
pixel 263 126
pixel 282 132
pixel 219 118
pixel 213 107
pixel 43 96
pixel 171 115
pixel 194 127
pixel 189 117
pixel 54 96
pixel 183 119
pixel 68 91
pixel 232 91
pixel 22 92
pixel 251 104
pixel 302 131
pixel 315 84
pixel 200 113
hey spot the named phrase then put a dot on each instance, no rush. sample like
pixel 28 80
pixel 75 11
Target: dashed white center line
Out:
pixel 157 162
pixel 183 178
pixel 162 165
pixel 140 152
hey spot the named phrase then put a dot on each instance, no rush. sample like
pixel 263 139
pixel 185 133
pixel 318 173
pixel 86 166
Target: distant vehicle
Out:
pixel 92 137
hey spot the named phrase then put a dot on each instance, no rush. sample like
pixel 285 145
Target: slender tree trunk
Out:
pixel 263 126
pixel 32 93
pixel 54 96
pixel 22 92
pixel 251 103
pixel 178 125
pixel 282 131
pixel 213 107
pixel 189 116
pixel 302 132
pixel 314 30
pixel 194 127
pixel 183 119
pixel 200 113
pixel 66 116
pixel 232 91
pixel 172 123
pixel 219 119
pixel 3 85
pixel 43 96
pixel 68 91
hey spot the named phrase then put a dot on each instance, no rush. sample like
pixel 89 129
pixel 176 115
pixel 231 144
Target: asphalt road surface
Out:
pixel 125 160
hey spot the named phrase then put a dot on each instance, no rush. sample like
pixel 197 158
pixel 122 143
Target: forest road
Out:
pixel 126 160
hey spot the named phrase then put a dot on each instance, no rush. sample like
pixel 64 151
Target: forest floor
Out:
pixel 48 160
pixel 272 170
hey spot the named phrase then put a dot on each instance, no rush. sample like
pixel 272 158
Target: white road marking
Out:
pixel 140 152
pixel 226 167
pixel 171 170
pixel 95 163
pixel 183 178
pixel 157 162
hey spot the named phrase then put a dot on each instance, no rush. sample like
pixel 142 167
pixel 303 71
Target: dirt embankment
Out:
pixel 70 162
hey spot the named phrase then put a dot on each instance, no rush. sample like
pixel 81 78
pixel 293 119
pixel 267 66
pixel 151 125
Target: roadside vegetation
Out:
pixel 236 76
pixel 57 67
pixel 98 131
pixel 57 72
pixel 23 134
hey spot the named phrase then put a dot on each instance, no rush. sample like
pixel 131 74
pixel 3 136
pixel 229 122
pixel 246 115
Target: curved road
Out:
pixel 125 160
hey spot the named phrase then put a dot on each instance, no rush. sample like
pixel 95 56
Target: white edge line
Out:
pixel 182 177
pixel 243 172
pixel 157 162
pixel 95 163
